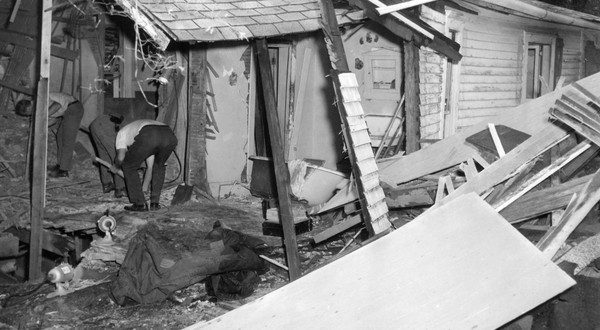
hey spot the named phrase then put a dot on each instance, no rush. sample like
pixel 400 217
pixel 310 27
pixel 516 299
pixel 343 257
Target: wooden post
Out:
pixel 411 83
pixel 40 151
pixel 196 136
pixel 356 137
pixel 286 218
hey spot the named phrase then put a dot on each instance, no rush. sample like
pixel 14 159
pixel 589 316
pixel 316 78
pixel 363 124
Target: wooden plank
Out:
pixel 530 118
pixel 577 125
pixel 400 6
pixel 541 176
pixel 281 171
pixel 449 269
pixel 412 113
pixel 294 131
pixel 40 149
pixel 496 139
pixel 340 227
pixel 52 242
pixel 539 202
pixel 503 167
pixel 578 208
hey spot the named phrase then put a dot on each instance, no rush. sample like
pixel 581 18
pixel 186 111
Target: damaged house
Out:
pixel 461 135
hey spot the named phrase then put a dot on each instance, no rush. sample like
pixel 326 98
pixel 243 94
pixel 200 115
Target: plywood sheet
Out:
pixel 453 268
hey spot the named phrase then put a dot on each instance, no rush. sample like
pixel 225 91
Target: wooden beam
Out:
pixel 540 202
pixel 503 167
pixel 346 224
pixel 405 20
pixel 13 15
pixel 412 109
pixel 355 130
pixel 541 176
pixel 401 6
pixel 281 170
pixel 496 139
pixel 40 148
pixel 578 208
pixel 31 42
pixel 458 268
pixel 195 155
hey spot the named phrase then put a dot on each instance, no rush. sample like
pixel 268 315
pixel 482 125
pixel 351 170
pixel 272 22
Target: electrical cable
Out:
pixel 27 293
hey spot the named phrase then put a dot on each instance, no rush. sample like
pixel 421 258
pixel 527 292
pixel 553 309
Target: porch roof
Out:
pixel 218 20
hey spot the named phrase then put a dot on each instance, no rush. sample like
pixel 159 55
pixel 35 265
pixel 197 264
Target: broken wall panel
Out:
pixel 455 268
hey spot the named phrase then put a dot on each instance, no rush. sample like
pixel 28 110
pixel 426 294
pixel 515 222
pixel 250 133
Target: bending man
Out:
pixel 135 142
pixel 103 131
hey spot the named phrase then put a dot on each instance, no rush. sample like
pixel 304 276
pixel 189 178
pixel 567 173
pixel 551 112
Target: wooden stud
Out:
pixel 281 170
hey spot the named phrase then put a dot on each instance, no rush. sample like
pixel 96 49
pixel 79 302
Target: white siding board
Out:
pixel 468 96
pixel 470 79
pixel 489 87
pixel 489 54
pixel 490 71
pixel 476 104
pixel 491 45
pixel 485 62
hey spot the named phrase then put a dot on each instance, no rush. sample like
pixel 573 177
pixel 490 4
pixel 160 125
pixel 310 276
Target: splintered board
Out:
pixel 460 266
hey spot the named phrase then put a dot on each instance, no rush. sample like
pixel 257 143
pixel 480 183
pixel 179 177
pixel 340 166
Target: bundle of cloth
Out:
pixel 229 264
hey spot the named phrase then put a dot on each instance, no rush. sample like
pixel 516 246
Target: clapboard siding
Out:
pixel 489 87
pixel 490 74
pixel 488 54
pixel 483 104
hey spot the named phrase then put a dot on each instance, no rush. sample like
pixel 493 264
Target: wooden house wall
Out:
pixel 491 70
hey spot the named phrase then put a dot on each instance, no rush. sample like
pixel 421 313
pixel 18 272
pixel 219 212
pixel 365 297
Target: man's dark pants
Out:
pixel 151 140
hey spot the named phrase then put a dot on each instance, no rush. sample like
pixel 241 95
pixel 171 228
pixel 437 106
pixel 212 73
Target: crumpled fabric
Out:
pixel 150 273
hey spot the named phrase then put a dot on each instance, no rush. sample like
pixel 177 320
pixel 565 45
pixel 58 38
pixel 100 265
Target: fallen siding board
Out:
pixel 539 202
pixel 456 268
pixel 530 118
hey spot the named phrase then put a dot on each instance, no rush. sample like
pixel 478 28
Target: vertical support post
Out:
pixel 196 136
pixel 40 148
pixel 411 83
pixel 281 172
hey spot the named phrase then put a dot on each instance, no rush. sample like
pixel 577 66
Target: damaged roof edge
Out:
pixel 141 19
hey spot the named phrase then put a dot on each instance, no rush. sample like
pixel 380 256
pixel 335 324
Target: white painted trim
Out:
pixel 401 6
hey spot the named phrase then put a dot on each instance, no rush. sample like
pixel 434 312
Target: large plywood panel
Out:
pixel 453 268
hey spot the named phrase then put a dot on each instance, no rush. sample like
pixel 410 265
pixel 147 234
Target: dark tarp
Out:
pixel 151 271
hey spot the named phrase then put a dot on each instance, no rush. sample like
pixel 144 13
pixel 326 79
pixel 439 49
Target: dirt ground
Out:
pixel 27 305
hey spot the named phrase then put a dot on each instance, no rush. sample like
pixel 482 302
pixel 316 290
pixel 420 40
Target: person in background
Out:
pixel 103 131
pixel 135 142
pixel 65 111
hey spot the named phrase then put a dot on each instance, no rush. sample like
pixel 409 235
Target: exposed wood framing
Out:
pixel 355 130
pixel 411 91
pixel 578 208
pixel 40 149
pixel 195 158
pixel 280 167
